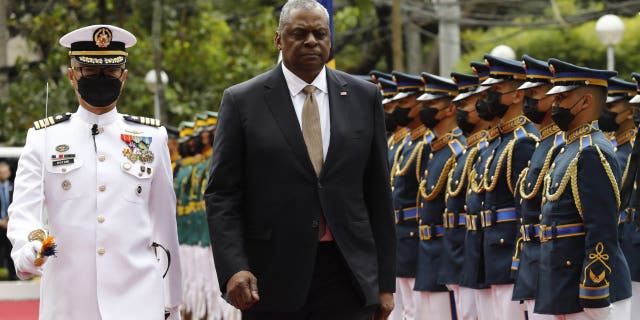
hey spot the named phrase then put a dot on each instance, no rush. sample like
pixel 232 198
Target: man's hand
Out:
pixel 25 262
pixel 4 223
pixel 386 306
pixel 242 290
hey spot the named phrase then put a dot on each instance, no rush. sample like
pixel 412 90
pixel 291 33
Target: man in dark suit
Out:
pixel 299 202
pixel 6 194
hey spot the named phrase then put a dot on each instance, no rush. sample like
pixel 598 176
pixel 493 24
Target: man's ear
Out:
pixel 518 97
pixel 276 40
pixel 587 100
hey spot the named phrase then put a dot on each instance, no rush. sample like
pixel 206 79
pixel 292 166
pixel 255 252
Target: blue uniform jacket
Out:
pixel 581 263
pixel 455 216
pixel 404 192
pixel 473 265
pixel 501 214
pixel 529 195
pixel 440 161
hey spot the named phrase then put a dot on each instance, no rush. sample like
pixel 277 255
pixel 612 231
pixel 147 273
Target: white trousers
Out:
pixel 405 300
pixel 433 305
pixel 536 316
pixel 484 304
pixel 635 299
pixel 619 310
pixel 466 303
pixel 503 307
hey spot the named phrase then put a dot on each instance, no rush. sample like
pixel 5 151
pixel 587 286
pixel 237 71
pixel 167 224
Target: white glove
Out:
pixel 174 313
pixel 598 313
pixel 25 264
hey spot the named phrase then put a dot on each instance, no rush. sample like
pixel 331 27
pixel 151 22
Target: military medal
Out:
pixel 137 148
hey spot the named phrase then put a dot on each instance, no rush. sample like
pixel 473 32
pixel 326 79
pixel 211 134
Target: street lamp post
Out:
pixel 503 51
pixel 610 29
pixel 151 80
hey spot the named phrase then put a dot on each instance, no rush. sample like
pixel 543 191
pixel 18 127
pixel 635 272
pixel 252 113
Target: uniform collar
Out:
pixel 100 119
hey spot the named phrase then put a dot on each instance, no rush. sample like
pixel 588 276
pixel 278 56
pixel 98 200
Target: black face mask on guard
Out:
pixel 99 91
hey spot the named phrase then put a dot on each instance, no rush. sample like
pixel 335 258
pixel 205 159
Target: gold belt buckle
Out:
pixel 541 232
pixel 423 235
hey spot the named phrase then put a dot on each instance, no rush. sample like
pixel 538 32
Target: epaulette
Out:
pixel 519 133
pixel 585 141
pixel 49 121
pixel 428 137
pixel 456 147
pixel 559 139
pixel 142 120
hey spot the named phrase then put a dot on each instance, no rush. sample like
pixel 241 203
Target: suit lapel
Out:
pixel 278 99
pixel 339 102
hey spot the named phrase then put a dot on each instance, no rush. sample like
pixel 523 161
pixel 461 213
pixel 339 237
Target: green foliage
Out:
pixel 205 48
pixel 577 44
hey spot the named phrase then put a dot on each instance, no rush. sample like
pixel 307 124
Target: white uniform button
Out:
pixel 100 219
pixel 101 157
pixel 101 251
pixel 63 170
pixel 102 188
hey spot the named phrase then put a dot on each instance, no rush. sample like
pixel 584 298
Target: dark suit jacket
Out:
pixel 264 199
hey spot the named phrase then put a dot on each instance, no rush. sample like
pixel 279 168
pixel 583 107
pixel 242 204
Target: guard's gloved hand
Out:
pixel 26 257
pixel 598 313
pixel 174 313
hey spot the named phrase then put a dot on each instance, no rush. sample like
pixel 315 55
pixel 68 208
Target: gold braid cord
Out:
pixel 489 187
pixel 403 171
pixel 440 183
pixel 510 147
pixel 612 179
pixel 394 166
pixel 419 161
pixel 626 169
pixel 572 176
pixel 476 186
pixel 543 172
pixel 463 175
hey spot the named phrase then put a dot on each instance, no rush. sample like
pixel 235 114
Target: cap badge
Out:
pixel 552 69
pixel 102 37
pixel 474 70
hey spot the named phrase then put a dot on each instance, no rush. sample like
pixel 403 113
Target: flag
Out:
pixel 328 4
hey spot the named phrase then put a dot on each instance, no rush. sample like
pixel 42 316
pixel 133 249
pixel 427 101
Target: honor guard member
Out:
pixel 438 114
pixel 395 133
pixel 528 191
pixel 104 180
pixel 630 233
pixel 501 215
pixel 405 175
pixel 376 75
pixel 454 218
pixel 583 273
pixel 472 276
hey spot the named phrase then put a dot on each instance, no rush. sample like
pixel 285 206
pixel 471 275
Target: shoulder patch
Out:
pixel 429 136
pixel 519 133
pixel 559 139
pixel 49 121
pixel 585 141
pixel 142 120
pixel 456 147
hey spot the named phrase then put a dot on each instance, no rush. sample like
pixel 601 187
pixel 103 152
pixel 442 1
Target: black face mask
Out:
pixel 530 108
pixel 483 110
pixel 184 150
pixel 607 121
pixel 563 116
pixel 495 107
pixel 100 91
pixel 402 116
pixel 390 121
pixel 197 145
pixel 428 117
pixel 462 118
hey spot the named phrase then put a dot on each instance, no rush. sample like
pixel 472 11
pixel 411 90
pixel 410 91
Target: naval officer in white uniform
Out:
pixel 107 190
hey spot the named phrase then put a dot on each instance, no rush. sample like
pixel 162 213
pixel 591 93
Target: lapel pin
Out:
pixel 343 93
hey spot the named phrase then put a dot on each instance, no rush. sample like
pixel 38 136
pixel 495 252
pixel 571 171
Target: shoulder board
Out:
pixel 456 147
pixel 585 141
pixel 519 133
pixel 142 120
pixel 49 121
pixel 428 137
pixel 558 139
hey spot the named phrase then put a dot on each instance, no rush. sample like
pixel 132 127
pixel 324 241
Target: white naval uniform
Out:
pixel 104 213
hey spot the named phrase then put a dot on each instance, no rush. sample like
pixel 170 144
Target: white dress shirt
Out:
pixel 321 94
